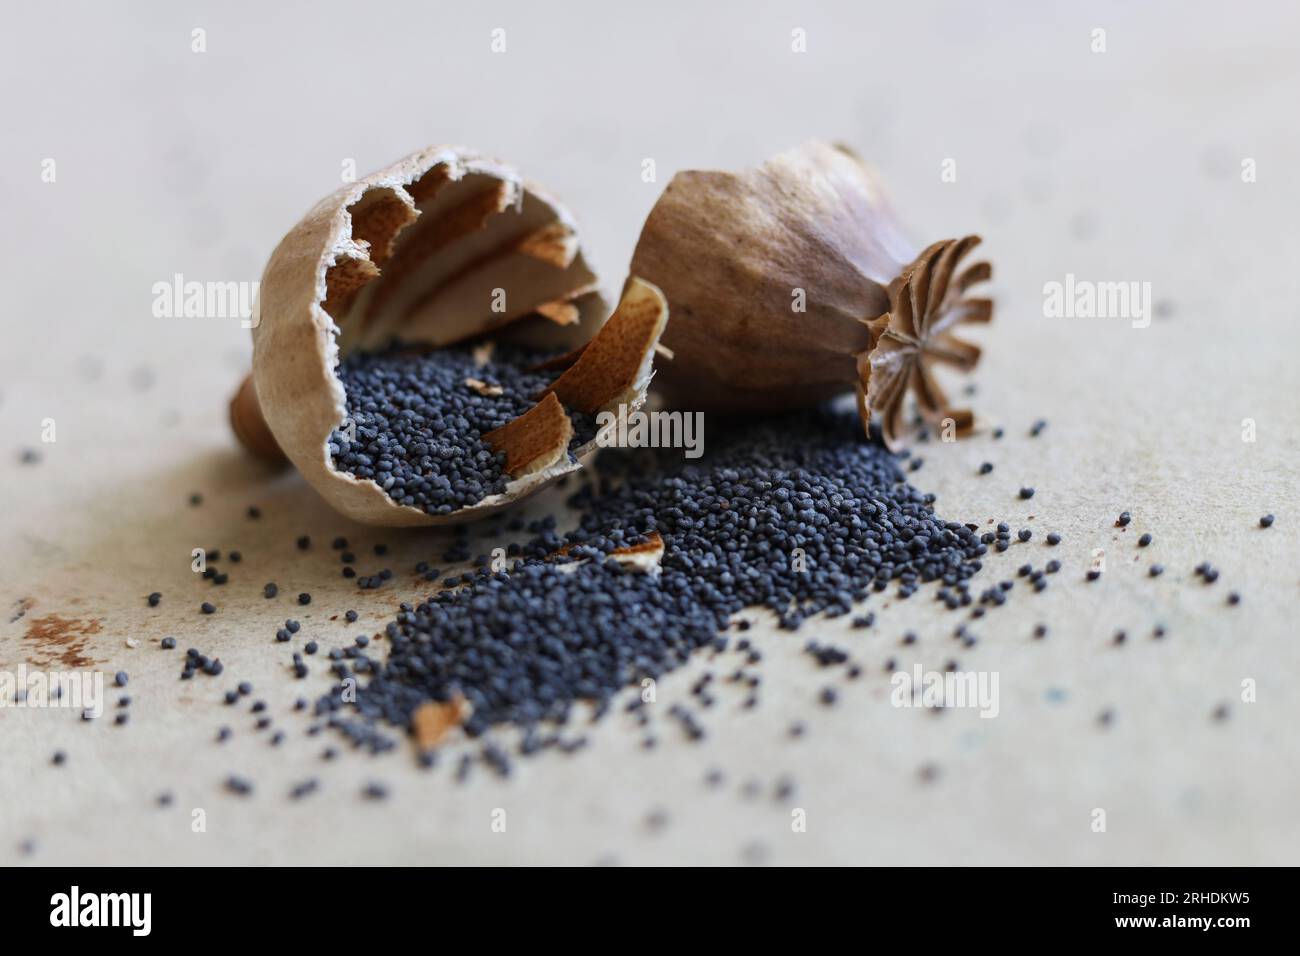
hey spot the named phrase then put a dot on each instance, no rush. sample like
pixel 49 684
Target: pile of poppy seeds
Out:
pixel 419 418
pixel 800 514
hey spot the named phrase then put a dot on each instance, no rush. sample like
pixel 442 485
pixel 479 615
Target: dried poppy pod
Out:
pixel 793 283
pixel 441 248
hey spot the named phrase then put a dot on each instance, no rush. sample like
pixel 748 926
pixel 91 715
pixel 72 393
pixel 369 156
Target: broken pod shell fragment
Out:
pixel 443 248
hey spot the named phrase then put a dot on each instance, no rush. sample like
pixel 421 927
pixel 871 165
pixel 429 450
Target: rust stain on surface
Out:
pixel 62 640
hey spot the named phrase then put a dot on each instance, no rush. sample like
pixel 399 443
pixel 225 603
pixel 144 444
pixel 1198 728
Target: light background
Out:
pixel 1122 165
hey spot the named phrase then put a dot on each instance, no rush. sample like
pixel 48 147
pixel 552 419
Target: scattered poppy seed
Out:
pixel 154 598
pixel 167 643
pixel 207 608
pixel 1144 540
pixel 1266 521
pixel 1026 493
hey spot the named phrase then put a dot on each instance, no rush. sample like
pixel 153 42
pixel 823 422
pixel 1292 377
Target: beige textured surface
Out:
pixel 1114 166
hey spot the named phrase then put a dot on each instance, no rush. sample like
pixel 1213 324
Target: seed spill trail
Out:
pixel 800 515
pixel 419 423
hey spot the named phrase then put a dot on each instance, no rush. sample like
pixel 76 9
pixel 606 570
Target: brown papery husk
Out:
pixel 417 252
pixel 781 281
pixel 729 250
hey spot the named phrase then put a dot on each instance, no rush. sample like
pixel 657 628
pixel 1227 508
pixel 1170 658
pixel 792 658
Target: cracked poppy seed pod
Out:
pixel 441 248
pixel 793 283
